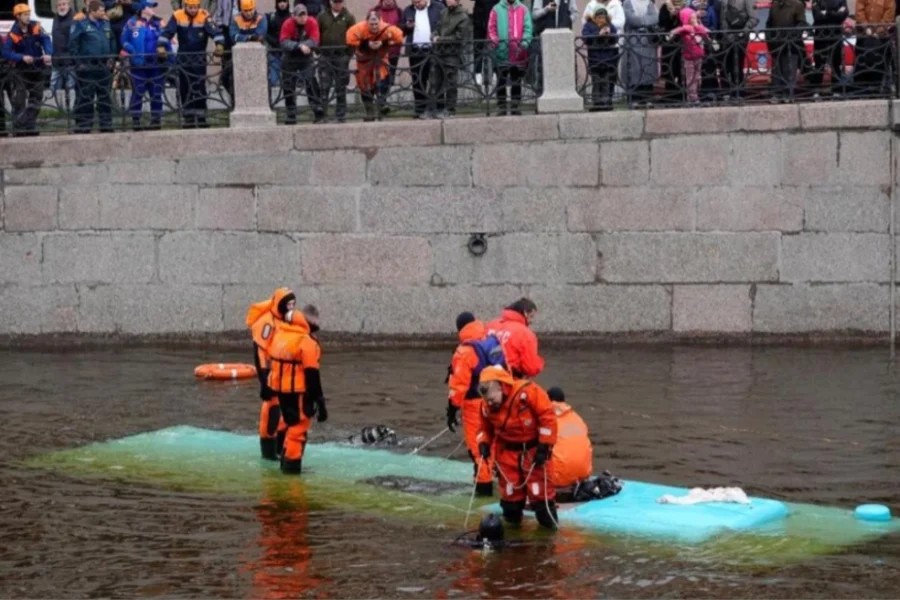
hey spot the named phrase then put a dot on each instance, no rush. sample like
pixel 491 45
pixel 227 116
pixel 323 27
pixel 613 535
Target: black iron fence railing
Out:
pixel 647 68
pixel 439 80
pixel 115 93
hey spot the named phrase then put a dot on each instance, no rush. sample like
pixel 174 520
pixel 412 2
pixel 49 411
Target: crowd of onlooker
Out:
pixel 679 51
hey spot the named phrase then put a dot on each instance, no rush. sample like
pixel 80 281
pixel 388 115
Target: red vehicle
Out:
pixel 758 62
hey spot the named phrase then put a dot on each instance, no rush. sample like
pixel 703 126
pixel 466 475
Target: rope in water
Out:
pixel 426 444
pixel 472 497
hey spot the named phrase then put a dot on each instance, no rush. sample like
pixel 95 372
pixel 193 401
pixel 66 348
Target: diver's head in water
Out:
pixel 490 531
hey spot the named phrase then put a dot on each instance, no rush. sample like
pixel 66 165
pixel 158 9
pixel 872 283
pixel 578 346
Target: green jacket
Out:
pixel 510 28
pixel 333 30
pixel 455 32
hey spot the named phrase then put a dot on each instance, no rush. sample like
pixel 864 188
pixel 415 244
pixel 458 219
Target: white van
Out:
pixel 41 11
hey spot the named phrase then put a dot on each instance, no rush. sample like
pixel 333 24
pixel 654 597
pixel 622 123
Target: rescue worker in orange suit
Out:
pixel 518 421
pixel 476 350
pixel 294 376
pixel 261 319
pixel 520 345
pixel 573 455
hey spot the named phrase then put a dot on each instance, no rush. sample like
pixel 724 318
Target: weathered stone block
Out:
pixel 618 125
pixel 517 258
pixel 99 258
pixel 713 308
pixel 769 118
pixel 847 208
pixel 437 165
pixel 219 258
pixel 369 135
pixel 671 121
pixel 686 257
pixel 806 308
pixel 601 308
pixel 68 175
pixel 285 169
pixel 809 158
pixel 865 158
pixel 307 208
pixel 831 257
pixel 429 210
pixel 79 207
pixel 708 159
pixel 144 206
pixel 534 210
pixel 491 131
pixel 755 160
pixel 199 142
pixel 347 259
pixel 60 150
pixel 625 163
pixel 30 208
pixel 32 310
pixel 150 309
pixel 631 209
pixel 226 208
pixel 860 114
pixel 748 209
pixel 155 172
pixel 548 164
pixel 20 258
pixel 338 168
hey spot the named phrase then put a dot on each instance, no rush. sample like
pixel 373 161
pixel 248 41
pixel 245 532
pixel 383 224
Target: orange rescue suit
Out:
pixel 372 66
pixel 292 352
pixel 573 456
pixel 464 362
pixel 520 344
pixel 525 419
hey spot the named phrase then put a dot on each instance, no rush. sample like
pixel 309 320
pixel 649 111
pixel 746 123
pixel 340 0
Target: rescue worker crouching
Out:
pixel 261 319
pixel 518 421
pixel 520 344
pixel 294 376
pixel 476 351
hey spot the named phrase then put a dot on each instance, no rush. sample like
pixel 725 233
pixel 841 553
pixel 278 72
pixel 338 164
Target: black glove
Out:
pixel 484 449
pixel 541 455
pixel 452 421
pixel 321 411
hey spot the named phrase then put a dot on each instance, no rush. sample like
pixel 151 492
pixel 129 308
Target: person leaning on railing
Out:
pixel 373 40
pixel 873 72
pixel 299 39
pixel 30 49
pixel 92 46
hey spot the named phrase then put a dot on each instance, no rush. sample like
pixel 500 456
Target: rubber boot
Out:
pixel 547 517
pixel 279 443
pixel 370 112
pixel 512 512
pixel 484 489
pixel 269 448
pixel 291 467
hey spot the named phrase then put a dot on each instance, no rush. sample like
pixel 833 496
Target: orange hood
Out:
pixel 472 332
pixel 512 315
pixel 495 373
pixel 268 306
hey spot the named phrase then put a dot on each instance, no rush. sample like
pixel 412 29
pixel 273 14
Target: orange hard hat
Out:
pixel 495 373
pixel 19 9
pixel 248 5
pixel 192 2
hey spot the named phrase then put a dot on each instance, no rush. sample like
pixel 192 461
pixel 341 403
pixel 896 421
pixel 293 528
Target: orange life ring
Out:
pixel 225 371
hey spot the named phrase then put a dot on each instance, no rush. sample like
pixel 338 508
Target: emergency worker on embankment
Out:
pixel 518 421
pixel 476 351
pixel 573 455
pixel 520 344
pixel 294 375
pixel 261 319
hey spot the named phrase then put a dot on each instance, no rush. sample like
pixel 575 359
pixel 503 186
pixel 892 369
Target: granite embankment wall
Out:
pixel 724 221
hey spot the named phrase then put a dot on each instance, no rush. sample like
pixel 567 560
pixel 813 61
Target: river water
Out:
pixel 818 425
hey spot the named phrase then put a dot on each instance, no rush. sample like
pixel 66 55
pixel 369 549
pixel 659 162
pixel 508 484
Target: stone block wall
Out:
pixel 727 221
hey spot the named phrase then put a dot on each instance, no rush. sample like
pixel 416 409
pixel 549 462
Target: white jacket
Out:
pixel 614 8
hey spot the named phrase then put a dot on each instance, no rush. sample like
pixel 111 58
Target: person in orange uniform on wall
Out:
pixel 518 420
pixel 294 376
pixel 573 455
pixel 520 345
pixel 261 319
pixel 476 351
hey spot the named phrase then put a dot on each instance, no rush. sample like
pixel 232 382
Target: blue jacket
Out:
pixel 242 29
pixel 89 39
pixel 193 34
pixel 435 10
pixel 711 19
pixel 602 49
pixel 19 44
pixel 139 41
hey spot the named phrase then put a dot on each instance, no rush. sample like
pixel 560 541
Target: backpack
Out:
pixel 490 353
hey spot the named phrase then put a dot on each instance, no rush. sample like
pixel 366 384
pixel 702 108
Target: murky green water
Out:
pixel 803 425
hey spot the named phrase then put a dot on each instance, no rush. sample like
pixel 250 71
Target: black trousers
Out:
pixel 828 51
pixel 735 53
pixel 512 76
pixel 192 91
pixel 420 69
pixel 293 76
pixel 444 77
pixel 93 85
pixel 603 83
pixel 27 95
pixel 334 72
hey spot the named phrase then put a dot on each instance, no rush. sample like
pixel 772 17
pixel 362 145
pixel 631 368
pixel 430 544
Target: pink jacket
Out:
pixel 510 46
pixel 691 35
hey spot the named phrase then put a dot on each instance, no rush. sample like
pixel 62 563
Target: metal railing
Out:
pixel 115 93
pixel 645 69
pixel 435 81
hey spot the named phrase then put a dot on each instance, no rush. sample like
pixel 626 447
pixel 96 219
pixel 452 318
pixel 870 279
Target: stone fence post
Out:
pixel 558 71
pixel 251 90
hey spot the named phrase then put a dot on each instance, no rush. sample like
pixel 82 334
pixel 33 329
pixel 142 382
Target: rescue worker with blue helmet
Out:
pixel 140 37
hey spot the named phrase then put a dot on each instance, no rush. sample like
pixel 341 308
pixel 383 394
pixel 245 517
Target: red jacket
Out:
pixel 291 33
pixel 520 345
